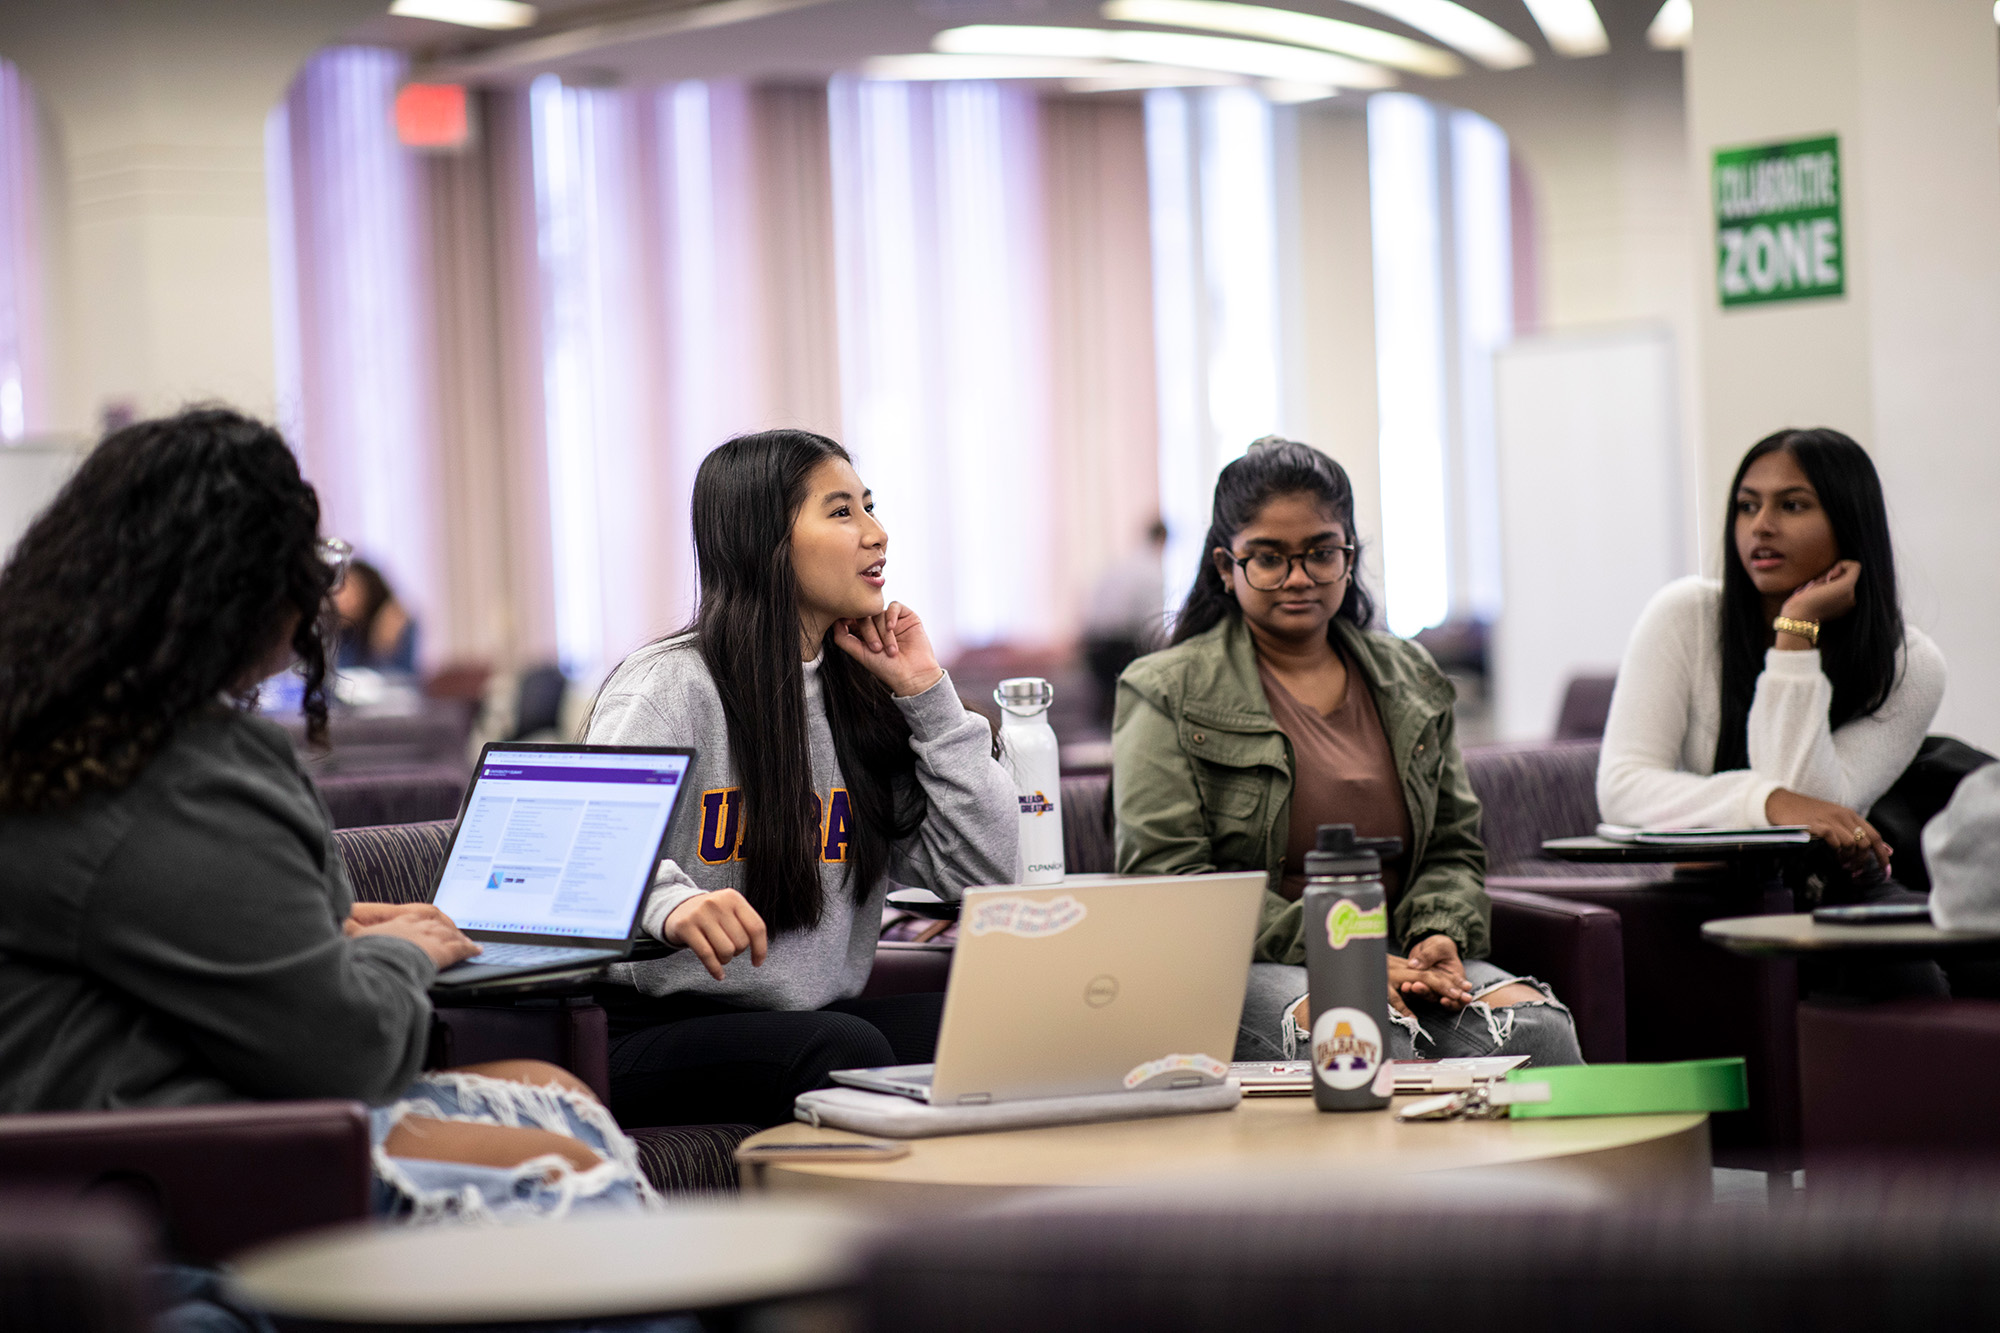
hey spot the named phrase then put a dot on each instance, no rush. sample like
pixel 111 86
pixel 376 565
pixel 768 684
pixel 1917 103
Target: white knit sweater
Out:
pixel 1657 769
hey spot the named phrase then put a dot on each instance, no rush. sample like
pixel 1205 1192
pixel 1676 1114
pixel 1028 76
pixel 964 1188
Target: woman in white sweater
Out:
pixel 1791 692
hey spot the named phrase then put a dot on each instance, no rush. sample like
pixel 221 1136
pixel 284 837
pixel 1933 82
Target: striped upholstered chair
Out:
pixel 398 863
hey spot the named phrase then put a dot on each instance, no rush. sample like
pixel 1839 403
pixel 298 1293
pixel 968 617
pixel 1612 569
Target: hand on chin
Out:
pixel 894 646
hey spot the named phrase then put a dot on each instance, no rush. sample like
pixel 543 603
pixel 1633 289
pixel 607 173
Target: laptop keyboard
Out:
pixel 528 955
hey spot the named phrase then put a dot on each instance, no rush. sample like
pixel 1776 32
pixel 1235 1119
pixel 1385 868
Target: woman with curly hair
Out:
pixel 179 926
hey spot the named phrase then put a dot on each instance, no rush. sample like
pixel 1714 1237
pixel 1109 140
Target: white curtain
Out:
pixel 1440 186
pixel 947 278
pixel 23 402
pixel 1217 326
pixel 351 287
pixel 942 281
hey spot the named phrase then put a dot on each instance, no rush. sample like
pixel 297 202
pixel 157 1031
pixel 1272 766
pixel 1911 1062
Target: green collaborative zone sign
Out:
pixel 1777 222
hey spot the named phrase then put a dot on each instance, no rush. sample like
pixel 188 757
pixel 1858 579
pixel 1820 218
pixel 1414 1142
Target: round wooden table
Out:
pixel 1797 935
pixel 1263 1137
pixel 698 1256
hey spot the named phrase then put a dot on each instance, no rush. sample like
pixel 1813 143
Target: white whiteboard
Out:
pixel 30 475
pixel 1593 509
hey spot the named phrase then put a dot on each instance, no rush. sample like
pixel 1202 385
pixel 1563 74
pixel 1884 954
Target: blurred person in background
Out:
pixel 376 630
pixel 1122 618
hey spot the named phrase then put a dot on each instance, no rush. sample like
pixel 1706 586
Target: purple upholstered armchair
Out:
pixel 1683 999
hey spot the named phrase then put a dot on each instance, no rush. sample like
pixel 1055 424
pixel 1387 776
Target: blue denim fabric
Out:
pixel 1542 1030
pixel 422 1189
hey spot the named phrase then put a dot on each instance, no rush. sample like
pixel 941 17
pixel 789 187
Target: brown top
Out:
pixel 1343 773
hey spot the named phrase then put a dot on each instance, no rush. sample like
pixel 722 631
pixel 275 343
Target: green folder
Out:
pixel 1680 1086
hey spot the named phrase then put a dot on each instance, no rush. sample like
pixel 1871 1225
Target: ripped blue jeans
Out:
pixel 419 1190
pixel 1541 1030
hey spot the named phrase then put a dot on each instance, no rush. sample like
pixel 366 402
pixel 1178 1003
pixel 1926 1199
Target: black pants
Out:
pixel 689 1060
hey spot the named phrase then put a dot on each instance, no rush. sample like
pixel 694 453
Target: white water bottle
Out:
pixel 1028 748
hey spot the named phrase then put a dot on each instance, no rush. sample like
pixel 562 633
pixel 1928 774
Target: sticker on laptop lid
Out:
pixel 1030 918
pixel 1167 1066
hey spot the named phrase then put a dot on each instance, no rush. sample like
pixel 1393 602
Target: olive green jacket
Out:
pixel 1202 780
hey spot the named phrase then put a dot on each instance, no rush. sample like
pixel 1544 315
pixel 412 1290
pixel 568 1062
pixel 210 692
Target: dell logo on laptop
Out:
pixel 1101 991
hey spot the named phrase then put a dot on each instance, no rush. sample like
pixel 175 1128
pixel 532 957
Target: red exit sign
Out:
pixel 434 116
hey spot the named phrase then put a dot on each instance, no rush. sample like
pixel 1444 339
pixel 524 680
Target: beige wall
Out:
pixel 161 291
pixel 1908 361
pixel 1603 142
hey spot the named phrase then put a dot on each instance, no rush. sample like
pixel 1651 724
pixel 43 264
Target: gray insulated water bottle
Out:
pixel 1347 965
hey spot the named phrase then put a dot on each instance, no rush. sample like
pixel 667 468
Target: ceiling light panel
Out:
pixel 1459 28
pixel 1672 26
pixel 1572 26
pixel 930 67
pixel 1288 25
pixel 494 14
pixel 1124 77
pixel 1230 55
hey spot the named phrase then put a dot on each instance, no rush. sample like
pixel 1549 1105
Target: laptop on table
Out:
pixel 553 854
pixel 1091 986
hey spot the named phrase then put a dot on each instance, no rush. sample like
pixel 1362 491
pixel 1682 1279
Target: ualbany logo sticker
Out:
pixel 1346 1049
pixel 1037 804
pixel 721 837
pixel 1345 921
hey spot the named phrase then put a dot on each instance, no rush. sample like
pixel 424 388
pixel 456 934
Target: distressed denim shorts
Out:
pixel 420 1190
pixel 1542 1030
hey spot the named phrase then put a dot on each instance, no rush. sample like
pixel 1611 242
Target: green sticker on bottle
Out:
pixel 1345 921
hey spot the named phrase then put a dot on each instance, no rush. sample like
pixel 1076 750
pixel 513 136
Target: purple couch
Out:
pixel 1903 1079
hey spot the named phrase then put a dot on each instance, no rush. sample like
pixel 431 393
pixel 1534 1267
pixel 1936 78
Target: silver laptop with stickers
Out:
pixel 1097 984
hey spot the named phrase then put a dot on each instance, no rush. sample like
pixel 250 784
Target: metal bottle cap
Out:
pixel 1338 852
pixel 1024 696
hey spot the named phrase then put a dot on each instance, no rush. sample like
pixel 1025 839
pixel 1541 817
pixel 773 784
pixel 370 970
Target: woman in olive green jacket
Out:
pixel 1277 709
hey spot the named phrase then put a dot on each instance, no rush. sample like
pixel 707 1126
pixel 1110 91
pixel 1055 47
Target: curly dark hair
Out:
pixel 147 590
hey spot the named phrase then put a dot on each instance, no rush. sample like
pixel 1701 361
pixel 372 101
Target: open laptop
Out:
pixel 1092 985
pixel 554 851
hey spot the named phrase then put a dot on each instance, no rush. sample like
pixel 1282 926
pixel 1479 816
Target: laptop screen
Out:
pixel 559 842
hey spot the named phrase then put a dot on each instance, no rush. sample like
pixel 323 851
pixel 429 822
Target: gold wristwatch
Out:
pixel 1805 629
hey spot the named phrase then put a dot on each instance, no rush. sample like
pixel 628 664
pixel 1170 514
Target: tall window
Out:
pixel 589 247
pixel 1215 297
pixel 1439 196
pixel 352 314
pixel 940 279
pixel 21 352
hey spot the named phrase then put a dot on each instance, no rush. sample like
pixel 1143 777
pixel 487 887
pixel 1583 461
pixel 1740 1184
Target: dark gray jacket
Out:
pixel 180 942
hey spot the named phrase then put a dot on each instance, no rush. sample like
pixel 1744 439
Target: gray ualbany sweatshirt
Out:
pixel 663 695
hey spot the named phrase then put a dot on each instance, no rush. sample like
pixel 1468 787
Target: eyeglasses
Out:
pixel 336 555
pixel 1266 571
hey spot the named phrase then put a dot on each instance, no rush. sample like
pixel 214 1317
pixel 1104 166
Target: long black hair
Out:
pixel 1273 467
pixel 155 580
pixel 1857 651
pixel 746 495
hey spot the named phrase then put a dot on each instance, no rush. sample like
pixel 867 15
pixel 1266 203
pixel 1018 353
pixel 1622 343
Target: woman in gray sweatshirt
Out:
pixel 833 757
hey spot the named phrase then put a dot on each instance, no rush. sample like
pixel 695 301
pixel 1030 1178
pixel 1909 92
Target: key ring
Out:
pixel 1484 1101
